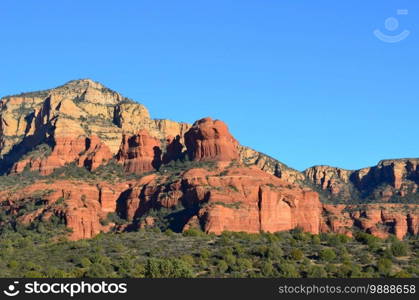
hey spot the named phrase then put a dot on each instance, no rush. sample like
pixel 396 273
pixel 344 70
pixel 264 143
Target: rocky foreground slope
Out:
pixel 96 161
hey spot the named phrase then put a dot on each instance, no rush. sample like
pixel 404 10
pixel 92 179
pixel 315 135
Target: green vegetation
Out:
pixel 35 251
pixel 234 205
pixel 40 151
pixel 111 172
pixel 184 164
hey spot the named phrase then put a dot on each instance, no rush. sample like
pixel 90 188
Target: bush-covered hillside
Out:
pixel 37 252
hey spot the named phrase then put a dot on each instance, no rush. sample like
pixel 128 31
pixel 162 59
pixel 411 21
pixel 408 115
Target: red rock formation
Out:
pixel 241 199
pixel 388 180
pixel 66 150
pixel 140 153
pixel 211 140
pixel 97 153
pixel 413 223
pixel 376 219
pixel 81 206
pixel 268 197
pixel 173 150
pixel 244 199
pixel 250 200
pixel 87 152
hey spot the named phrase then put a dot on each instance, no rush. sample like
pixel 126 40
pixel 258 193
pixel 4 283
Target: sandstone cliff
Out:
pixel 211 140
pixel 394 180
pixel 214 200
pixel 65 116
pixel 69 115
pixel 95 160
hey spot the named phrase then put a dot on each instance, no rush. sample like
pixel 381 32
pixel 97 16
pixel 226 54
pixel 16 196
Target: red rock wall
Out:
pixel 211 140
pixel 140 153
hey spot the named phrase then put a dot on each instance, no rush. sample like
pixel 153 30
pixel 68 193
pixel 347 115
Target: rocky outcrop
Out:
pixel 232 199
pixel 140 153
pixel 86 152
pixel 174 149
pixel 396 172
pixel 81 206
pixel 390 180
pixel 250 200
pixel 84 108
pixel 172 129
pixel 376 219
pixel 210 140
pixel 96 154
pixel 80 108
pixel 328 178
pixel 250 157
pixel 66 150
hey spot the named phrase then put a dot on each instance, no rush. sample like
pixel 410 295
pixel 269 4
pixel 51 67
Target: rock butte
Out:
pixel 228 187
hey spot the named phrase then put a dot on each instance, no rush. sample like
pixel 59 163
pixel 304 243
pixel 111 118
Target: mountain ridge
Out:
pixel 100 153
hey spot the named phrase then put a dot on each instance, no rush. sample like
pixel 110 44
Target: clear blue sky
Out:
pixel 304 81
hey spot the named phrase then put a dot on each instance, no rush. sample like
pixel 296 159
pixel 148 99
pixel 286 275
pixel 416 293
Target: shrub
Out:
pixel 384 265
pixel 193 232
pixel 114 218
pixel 13 264
pixel 85 262
pixel 274 253
pixel 367 239
pixel 316 272
pixel 168 268
pixel 327 254
pixel 288 270
pixel 315 240
pixel 267 269
pixel 243 264
pixel 188 259
pixel 222 266
pixel 33 274
pixel 296 254
pixel 402 274
pixel 331 269
pixel 205 253
pixel 97 270
pixel 399 248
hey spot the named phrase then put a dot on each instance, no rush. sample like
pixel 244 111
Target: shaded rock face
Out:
pixel 140 153
pixel 96 154
pixel 211 140
pixel 390 180
pixel 174 150
pixel 395 172
pixel 86 152
pixel 332 179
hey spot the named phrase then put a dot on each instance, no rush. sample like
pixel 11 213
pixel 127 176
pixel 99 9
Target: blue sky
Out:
pixel 306 82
